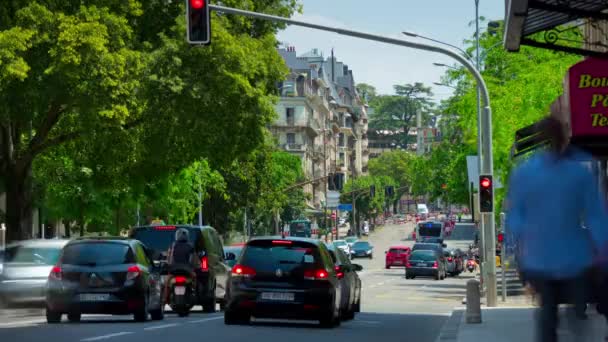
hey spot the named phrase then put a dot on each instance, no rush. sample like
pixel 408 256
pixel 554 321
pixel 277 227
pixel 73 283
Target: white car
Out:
pixel 343 245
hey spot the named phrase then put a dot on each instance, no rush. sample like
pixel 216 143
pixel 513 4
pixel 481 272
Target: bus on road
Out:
pixel 430 231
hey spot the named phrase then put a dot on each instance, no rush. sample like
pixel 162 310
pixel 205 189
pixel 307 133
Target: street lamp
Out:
pixel 415 35
pixel 444 85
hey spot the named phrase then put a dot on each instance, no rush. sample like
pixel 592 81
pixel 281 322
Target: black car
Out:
pixel 362 249
pixel 213 273
pixel 425 263
pixel 350 282
pixel 104 276
pixel 284 278
pixel 429 247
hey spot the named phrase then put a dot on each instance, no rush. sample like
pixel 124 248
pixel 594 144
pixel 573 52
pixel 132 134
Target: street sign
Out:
pixel 345 207
pixel 333 199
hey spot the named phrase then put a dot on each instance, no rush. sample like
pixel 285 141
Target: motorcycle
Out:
pixel 181 291
pixel 471 265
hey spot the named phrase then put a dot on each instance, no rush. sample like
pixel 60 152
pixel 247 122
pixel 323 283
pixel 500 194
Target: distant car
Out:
pixel 343 245
pixel 431 247
pixel 362 249
pixel 232 253
pixel 349 281
pixel 397 256
pixel 454 261
pixel 25 269
pixel 425 263
pixel 213 273
pixel 351 240
pixel 107 275
pixel 287 278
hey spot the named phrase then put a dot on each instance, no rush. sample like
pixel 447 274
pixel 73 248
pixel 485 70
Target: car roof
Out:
pixel 341 240
pixel 177 226
pixel 289 238
pixel 399 247
pixel 113 239
pixel 40 243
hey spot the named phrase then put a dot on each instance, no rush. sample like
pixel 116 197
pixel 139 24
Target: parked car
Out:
pixel 397 256
pixel 454 261
pixel 425 263
pixel 349 282
pixel 287 278
pixel 25 269
pixel 213 273
pixel 106 275
pixel 362 249
pixel 343 245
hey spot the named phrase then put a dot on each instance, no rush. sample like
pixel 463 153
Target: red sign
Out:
pixel 587 94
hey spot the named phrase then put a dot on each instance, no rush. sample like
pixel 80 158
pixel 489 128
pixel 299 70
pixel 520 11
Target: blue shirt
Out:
pixel 556 214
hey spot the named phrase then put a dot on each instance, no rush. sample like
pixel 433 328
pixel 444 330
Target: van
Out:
pixel 422 209
pixel 213 273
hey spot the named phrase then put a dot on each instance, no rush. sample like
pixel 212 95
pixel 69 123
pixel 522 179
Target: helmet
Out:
pixel 182 235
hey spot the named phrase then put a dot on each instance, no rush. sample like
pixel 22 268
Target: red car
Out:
pixel 397 256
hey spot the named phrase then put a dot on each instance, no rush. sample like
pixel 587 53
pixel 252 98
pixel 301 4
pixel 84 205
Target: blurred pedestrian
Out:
pixel 551 196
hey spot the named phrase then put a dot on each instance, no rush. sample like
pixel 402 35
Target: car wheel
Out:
pixel 141 315
pixel 209 302
pixel 52 316
pixel 330 320
pixel 158 314
pixel 437 276
pixel 233 318
pixel 74 317
pixel 371 256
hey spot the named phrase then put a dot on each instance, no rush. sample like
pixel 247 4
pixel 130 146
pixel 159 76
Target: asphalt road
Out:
pixel 391 306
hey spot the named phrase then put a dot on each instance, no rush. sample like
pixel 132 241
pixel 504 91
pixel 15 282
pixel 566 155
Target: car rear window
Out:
pixel 361 244
pixel 97 254
pixel 339 243
pixel 267 256
pixel 35 255
pixel 423 255
pixel 397 251
pixel 426 246
pixel 160 238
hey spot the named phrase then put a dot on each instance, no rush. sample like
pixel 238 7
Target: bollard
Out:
pixel 473 313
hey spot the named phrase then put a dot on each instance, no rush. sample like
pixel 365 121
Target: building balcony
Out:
pixel 294 147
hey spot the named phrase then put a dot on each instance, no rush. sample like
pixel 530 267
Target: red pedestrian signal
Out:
pixel 198 22
pixel 486 182
pixel 500 237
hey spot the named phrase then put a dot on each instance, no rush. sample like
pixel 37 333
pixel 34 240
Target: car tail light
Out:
pixel 339 272
pixel 133 272
pixel 316 274
pixel 55 273
pixel 180 280
pixel 435 264
pixel 205 264
pixel 281 242
pixel 243 271
pixel 450 259
pixel 407 264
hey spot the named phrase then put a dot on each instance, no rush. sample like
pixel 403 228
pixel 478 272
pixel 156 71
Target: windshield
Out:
pixel 97 254
pixel 351 239
pixel 423 255
pixel 361 244
pixel 160 239
pixel 339 243
pixel 426 246
pixel 36 255
pixel 267 257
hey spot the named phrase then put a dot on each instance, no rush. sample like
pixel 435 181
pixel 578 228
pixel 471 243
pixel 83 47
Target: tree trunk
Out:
pixel 68 228
pixel 18 206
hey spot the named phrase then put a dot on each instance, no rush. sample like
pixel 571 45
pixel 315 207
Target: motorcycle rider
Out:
pixel 182 254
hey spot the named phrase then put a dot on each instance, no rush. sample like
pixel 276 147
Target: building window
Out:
pixel 291 138
pixel 290 116
pixel 341 140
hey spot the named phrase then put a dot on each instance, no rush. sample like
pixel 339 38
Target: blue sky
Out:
pixel 383 65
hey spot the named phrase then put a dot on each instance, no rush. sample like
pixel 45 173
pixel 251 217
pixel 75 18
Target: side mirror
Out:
pixel 357 267
pixel 202 254
pixel 156 263
pixel 230 256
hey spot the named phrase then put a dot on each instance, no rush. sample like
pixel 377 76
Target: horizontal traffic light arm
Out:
pixel 364 191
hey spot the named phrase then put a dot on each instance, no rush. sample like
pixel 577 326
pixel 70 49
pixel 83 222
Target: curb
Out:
pixel 449 330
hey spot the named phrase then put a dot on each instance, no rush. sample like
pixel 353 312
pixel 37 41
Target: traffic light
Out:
pixel 339 181
pixel 198 22
pixel 331 184
pixel 500 237
pixel 372 191
pixel 486 195
pixel 389 191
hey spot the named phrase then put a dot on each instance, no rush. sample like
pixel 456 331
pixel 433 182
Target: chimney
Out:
pixel 333 65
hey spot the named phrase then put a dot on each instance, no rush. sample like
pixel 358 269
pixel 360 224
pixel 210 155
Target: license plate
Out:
pixel 281 296
pixel 422 264
pixel 94 297
pixel 179 290
pixel 397 262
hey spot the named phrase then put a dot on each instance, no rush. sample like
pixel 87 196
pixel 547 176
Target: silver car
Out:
pixel 26 267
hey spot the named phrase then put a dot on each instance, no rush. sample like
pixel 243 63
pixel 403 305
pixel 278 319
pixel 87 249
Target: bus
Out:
pixel 430 231
pixel 300 228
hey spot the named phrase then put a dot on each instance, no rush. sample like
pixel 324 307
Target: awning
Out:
pixel 555 25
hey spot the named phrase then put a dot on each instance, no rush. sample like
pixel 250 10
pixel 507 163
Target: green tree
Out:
pixel 367 92
pixel 82 73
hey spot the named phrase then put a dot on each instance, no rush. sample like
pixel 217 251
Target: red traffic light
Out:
pixel 486 182
pixel 501 237
pixel 197 4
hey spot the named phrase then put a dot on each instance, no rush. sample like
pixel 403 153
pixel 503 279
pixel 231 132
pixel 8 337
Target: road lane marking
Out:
pixel 105 337
pixel 206 319
pixel 380 284
pixel 367 322
pixel 164 326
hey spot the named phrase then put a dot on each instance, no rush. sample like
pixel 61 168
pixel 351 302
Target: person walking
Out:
pixel 556 216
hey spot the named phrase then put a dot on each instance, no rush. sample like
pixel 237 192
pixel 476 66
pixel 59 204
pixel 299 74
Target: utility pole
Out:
pixel 419 136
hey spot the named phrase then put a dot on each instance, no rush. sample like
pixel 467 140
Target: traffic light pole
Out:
pixel 485 120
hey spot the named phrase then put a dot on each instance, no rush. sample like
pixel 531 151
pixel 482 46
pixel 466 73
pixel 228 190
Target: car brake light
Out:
pixel 339 272
pixel 133 272
pixel 165 227
pixel 242 271
pixel 205 264
pixel 55 273
pixel 316 274
pixel 281 242
pixel 435 264
pixel 180 279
